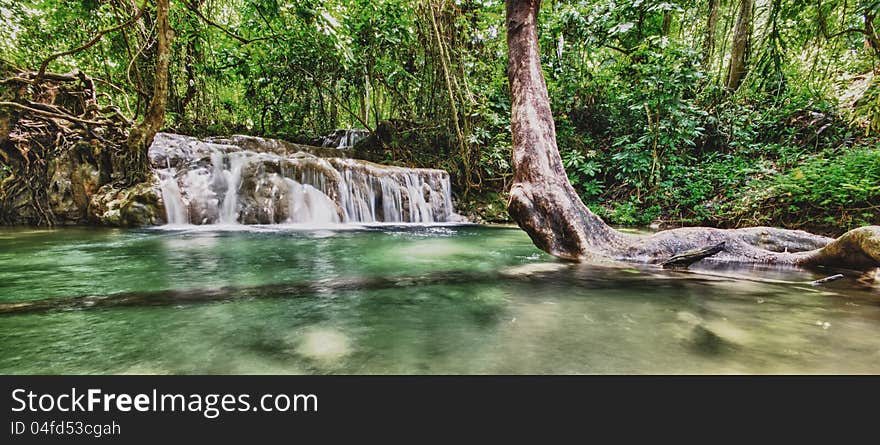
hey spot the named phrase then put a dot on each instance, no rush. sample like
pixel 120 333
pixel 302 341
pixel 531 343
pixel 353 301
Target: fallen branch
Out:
pixel 828 280
pixel 228 293
pixel 685 259
pixel 525 275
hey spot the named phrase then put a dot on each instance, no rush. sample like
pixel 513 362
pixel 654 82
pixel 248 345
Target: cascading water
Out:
pixel 247 180
pixel 342 138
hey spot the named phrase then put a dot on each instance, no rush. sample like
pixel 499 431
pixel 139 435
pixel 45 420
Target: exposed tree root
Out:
pixel 858 249
pixel 43 118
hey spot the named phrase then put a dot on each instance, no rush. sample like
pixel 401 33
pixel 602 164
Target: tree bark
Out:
pixel 872 40
pixel 742 34
pixel 709 40
pixel 444 64
pixel 542 200
pixel 666 25
pixel 136 168
pixel 546 206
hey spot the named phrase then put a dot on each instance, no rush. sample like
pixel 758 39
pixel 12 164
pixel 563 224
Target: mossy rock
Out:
pixel 137 206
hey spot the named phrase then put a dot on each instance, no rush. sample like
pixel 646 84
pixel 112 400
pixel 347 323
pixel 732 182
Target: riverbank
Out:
pixel 828 193
pixel 802 175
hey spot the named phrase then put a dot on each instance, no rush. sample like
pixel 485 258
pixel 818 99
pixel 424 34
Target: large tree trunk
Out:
pixel 136 167
pixel 742 34
pixel 546 206
pixel 542 200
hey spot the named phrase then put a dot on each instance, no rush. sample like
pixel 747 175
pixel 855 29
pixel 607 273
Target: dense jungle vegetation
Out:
pixel 714 112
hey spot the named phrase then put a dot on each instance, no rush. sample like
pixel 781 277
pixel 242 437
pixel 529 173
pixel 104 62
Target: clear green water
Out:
pixel 494 304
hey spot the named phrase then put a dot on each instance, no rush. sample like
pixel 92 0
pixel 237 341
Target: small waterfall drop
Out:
pixel 248 180
pixel 175 210
pixel 342 138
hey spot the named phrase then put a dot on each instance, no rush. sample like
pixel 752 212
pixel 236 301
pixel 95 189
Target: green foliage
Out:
pixel 835 190
pixel 583 174
pixel 645 127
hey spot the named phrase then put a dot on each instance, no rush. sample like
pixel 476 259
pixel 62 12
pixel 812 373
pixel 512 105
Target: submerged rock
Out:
pixel 324 344
pixel 708 342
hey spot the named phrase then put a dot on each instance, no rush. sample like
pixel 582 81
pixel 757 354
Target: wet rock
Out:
pixel 239 179
pixel 137 206
pixel 533 269
pixel 74 177
pixel 278 147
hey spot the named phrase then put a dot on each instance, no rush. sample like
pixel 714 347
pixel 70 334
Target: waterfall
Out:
pixel 232 176
pixel 342 139
pixel 351 137
pixel 247 180
pixel 175 210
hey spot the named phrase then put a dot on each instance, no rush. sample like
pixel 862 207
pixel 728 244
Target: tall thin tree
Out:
pixel 739 52
pixel 141 137
pixel 709 39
